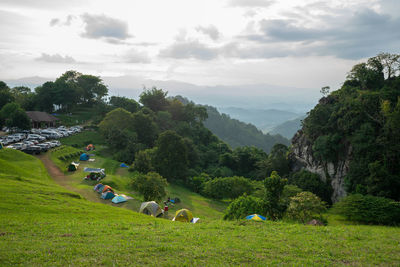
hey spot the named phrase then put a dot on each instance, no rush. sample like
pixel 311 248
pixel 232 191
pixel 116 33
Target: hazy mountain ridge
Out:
pixel 288 128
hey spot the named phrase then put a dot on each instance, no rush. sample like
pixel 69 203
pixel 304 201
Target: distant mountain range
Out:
pixel 288 128
pixel 247 96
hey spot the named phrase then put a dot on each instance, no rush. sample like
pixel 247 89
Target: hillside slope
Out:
pixel 43 224
pixel 237 133
pixel 288 128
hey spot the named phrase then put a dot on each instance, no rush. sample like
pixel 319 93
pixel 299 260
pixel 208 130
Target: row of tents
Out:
pixel 153 209
pixel 108 193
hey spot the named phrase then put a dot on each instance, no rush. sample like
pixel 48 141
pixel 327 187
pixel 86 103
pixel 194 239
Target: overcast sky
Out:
pixel 306 44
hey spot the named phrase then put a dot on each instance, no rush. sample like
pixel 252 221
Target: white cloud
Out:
pixel 210 31
pixel 56 58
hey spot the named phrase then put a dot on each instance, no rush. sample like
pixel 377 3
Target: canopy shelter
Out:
pixel 256 217
pixel 151 208
pixel 183 215
pixel 39 118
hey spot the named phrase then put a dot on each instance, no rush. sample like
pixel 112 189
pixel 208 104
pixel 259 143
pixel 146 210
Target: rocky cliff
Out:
pixel 301 157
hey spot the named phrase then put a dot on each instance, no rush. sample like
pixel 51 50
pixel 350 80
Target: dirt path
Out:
pixel 60 178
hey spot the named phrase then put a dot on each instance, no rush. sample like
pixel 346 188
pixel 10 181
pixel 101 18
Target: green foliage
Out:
pixel 369 209
pixel 12 115
pixel 362 120
pixel 227 187
pixel 196 183
pixel 243 206
pixel 150 185
pixel 125 103
pixel 239 134
pixel 312 182
pixel 277 161
pixel 273 206
pixel 154 99
pixel 143 160
pixel 5 95
pixel 288 192
pixel 305 206
pixel 171 156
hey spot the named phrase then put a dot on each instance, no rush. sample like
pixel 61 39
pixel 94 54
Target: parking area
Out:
pixel 36 141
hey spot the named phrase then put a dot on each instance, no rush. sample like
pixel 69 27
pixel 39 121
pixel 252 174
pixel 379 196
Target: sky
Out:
pixel 297 44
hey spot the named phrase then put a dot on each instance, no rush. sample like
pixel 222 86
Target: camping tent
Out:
pixel 100 188
pixel 256 217
pixel 96 187
pixel 183 215
pixel 73 166
pixel 84 157
pixel 123 165
pixel 107 195
pixel 90 147
pixel 118 199
pixel 150 208
pixel 106 188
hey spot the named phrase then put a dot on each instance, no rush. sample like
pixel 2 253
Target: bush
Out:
pixel 151 186
pixel 227 187
pixel 312 182
pixel 196 183
pixel 243 206
pixel 305 206
pixel 369 209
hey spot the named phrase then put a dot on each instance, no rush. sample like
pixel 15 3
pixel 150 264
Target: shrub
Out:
pixel 369 209
pixel 273 205
pixel 312 182
pixel 227 187
pixel 243 206
pixel 150 185
pixel 196 183
pixel 305 206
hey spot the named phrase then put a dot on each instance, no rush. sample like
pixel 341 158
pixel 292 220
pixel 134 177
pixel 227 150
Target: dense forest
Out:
pixel 361 121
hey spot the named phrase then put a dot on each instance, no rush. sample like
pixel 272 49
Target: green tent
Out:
pixel 151 208
pixel 73 167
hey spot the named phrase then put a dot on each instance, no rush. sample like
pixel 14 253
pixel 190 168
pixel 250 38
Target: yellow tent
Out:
pixel 183 215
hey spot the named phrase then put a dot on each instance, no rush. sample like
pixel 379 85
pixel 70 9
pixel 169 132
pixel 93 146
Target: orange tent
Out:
pixel 90 147
pixel 107 188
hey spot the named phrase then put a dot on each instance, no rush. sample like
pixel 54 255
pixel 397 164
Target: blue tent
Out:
pixel 107 195
pixel 100 188
pixel 118 199
pixel 123 165
pixel 84 157
pixel 256 217
pixel 96 187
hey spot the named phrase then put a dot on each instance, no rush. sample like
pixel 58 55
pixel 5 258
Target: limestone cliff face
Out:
pixel 301 157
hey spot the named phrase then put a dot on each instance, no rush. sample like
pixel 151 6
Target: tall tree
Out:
pixel 154 99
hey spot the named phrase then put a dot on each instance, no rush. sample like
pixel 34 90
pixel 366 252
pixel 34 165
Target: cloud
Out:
pixel 251 3
pixel 135 56
pixel 56 58
pixel 58 22
pixel 189 49
pixel 41 4
pixel 363 34
pixel 211 31
pixel 103 27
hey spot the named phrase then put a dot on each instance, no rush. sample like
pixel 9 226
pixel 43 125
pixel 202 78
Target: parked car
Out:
pixel 33 150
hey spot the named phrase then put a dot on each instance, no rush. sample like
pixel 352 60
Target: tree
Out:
pixel 325 91
pixel 273 205
pixel 5 94
pixel 145 128
pixel 143 160
pixel 154 99
pixel 45 97
pixel 305 206
pixel 150 185
pixel 228 187
pixel 92 88
pixel 12 115
pixel 125 103
pixel 243 206
pixel 171 156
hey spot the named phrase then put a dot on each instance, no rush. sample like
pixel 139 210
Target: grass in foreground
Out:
pixel 44 224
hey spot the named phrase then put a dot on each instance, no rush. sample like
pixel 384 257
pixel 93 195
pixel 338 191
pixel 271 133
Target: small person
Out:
pixel 165 210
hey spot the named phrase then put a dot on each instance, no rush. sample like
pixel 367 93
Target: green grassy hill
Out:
pixel 42 223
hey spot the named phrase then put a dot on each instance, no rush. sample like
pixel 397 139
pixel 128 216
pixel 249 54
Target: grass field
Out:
pixel 42 223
